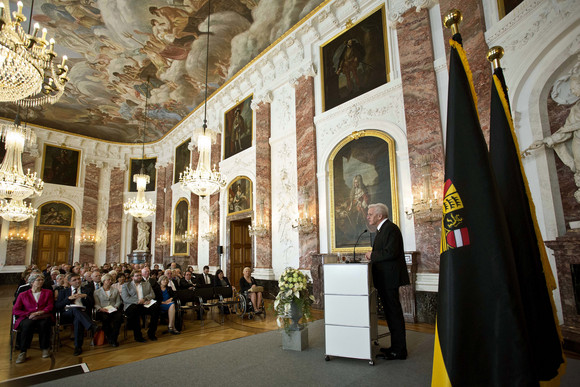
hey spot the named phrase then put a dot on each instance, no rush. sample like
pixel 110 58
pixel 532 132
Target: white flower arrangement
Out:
pixel 293 286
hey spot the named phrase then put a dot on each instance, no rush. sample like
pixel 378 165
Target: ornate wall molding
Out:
pixel 397 8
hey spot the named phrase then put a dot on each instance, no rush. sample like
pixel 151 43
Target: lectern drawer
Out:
pixel 347 310
pixel 348 342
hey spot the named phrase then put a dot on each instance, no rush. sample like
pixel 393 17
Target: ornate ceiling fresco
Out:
pixel 114 46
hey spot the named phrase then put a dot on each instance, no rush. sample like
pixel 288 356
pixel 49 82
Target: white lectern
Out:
pixel 350 311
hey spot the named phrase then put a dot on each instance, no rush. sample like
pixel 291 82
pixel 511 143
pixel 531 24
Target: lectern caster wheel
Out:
pixel 376 342
pixel 327 358
pixel 372 362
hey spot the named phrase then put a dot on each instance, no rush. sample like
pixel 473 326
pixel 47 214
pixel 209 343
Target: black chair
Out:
pixel 207 299
pixel 227 298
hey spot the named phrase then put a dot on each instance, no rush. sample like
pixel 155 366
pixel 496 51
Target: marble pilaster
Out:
pixel 194 210
pixel 472 30
pixel 160 213
pixel 115 218
pixel 306 166
pixel 263 189
pixel 90 210
pixel 214 210
pixel 424 134
pixel 168 205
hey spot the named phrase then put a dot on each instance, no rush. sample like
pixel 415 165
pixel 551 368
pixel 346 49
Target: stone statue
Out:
pixel 566 140
pixel 142 235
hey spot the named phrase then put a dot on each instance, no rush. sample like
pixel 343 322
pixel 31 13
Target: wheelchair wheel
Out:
pixel 242 306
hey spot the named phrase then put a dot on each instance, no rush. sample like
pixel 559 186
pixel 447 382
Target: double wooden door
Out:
pixel 240 249
pixel 54 247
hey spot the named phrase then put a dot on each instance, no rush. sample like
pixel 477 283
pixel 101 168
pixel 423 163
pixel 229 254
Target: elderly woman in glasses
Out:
pixel 33 311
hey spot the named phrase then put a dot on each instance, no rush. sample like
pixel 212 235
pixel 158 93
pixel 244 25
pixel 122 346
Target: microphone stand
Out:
pixel 354 249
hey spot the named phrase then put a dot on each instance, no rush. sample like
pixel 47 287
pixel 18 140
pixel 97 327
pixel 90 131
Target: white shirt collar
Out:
pixel 381 224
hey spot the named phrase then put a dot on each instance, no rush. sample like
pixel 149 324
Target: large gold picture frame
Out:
pixel 240 195
pixel 180 225
pixel 149 169
pixel 55 214
pixel 238 128
pixel 355 61
pixel 182 159
pixel 362 171
pixel 60 165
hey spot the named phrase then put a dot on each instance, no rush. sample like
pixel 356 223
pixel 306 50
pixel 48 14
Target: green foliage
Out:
pixel 293 286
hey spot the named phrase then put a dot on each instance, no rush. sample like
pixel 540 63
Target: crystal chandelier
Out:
pixel 28 75
pixel 189 237
pixel 203 181
pixel 14 184
pixel 16 210
pixel 139 207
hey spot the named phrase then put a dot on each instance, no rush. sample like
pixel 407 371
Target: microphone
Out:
pixel 354 249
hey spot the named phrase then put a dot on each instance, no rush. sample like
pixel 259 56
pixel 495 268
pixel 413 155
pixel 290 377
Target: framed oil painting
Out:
pixel 182 160
pixel 60 165
pixel 240 195
pixel 55 214
pixel 362 172
pixel 149 167
pixel 180 224
pixel 238 128
pixel 355 61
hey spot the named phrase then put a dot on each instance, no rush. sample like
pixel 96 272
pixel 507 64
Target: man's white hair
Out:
pixel 381 209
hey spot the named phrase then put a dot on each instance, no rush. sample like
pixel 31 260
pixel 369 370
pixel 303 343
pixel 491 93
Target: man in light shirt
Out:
pixel 139 299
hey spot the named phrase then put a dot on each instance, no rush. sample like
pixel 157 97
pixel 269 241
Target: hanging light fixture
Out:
pixel 14 184
pixel 203 181
pixel 139 207
pixel 28 74
pixel 16 210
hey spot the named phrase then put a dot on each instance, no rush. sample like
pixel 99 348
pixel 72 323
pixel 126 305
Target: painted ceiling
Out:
pixel 115 46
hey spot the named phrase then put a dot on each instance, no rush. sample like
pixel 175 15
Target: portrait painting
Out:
pixel 362 172
pixel 55 214
pixel 356 61
pixel 148 168
pixel 182 160
pixel 180 225
pixel 238 128
pixel 60 165
pixel 240 196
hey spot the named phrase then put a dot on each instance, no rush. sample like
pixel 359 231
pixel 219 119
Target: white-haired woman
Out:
pixel 108 306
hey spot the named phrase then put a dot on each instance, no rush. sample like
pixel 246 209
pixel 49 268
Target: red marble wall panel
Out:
pixel 194 211
pixel 424 134
pixel 114 221
pixel 306 165
pixel 160 214
pixel 263 186
pixel 472 30
pixel 214 258
pixel 167 206
pixel 90 209
pixel 16 249
pixel 557 115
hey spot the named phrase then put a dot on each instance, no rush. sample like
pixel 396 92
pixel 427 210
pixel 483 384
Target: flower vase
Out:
pixel 295 316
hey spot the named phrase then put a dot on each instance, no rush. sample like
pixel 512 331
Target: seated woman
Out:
pixel 165 297
pixel 248 284
pixel 33 310
pixel 119 284
pixel 220 279
pixel 106 298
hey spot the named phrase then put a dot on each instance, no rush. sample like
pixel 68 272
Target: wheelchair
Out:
pixel 245 307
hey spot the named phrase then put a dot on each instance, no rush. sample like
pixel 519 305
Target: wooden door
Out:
pixel 240 249
pixel 53 247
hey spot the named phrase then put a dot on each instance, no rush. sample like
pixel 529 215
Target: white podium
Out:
pixel 350 311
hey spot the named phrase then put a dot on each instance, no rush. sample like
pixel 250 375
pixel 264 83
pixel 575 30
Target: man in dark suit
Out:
pixel 389 272
pixel 76 303
pixel 187 282
pixel 205 279
pixel 137 297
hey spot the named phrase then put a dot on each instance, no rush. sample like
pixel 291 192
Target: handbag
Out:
pixel 99 338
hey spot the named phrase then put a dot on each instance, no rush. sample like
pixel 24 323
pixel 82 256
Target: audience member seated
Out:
pixel 172 284
pixel 187 282
pixel 33 311
pixel 165 297
pixel 96 280
pixel 220 279
pixel 248 284
pixel 75 303
pixel 205 279
pixel 139 299
pixel 120 282
pixel 108 304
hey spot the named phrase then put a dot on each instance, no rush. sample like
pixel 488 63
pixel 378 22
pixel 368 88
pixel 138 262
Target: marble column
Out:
pixel 115 218
pixel 263 184
pixel 160 220
pixel 472 30
pixel 214 210
pixel 424 134
pixel 194 211
pixel 16 249
pixel 90 210
pixel 168 207
pixel 306 166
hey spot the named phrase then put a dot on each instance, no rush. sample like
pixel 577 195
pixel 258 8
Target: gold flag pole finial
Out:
pixel 452 20
pixel 494 55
